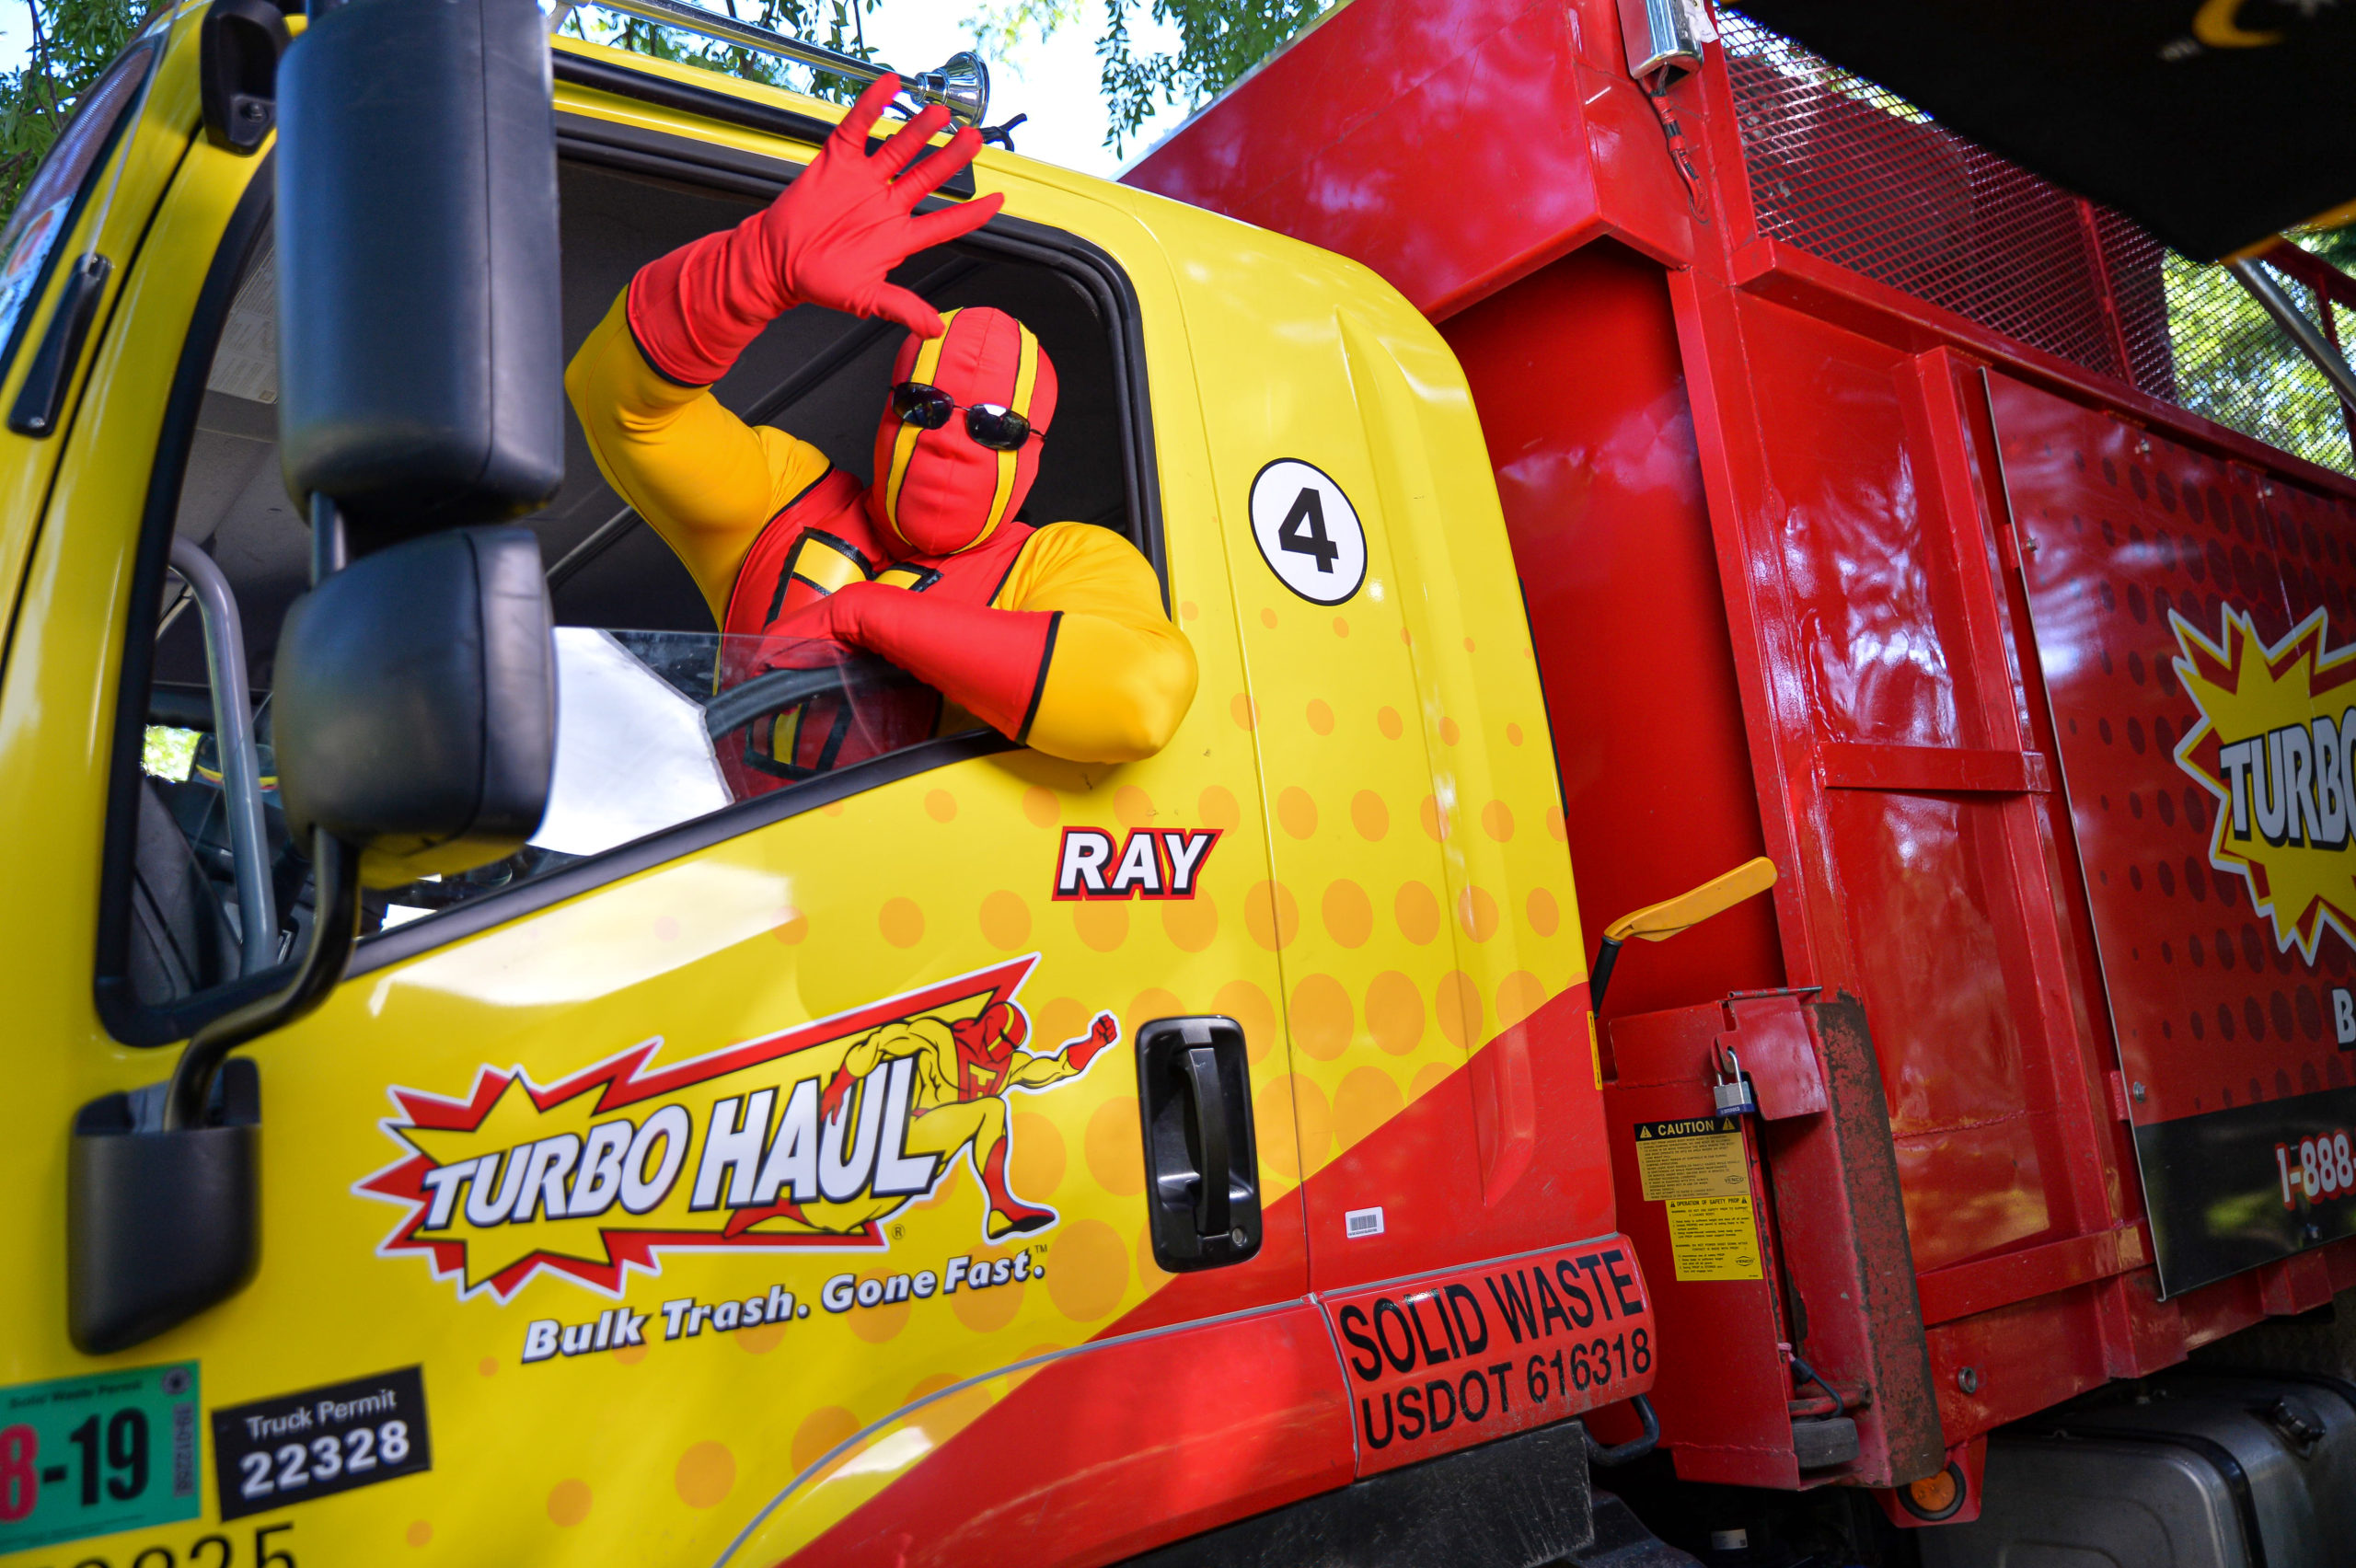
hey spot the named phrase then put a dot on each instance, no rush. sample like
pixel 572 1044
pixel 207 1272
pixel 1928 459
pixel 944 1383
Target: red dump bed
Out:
pixel 1860 526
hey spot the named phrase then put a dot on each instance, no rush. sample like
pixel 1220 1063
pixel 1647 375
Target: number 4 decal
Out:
pixel 1308 532
pixel 1303 530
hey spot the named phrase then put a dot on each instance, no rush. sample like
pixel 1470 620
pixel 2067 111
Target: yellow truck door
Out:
pixel 1444 1082
pixel 738 1178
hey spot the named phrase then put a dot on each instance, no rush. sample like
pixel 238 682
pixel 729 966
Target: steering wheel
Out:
pixel 777 689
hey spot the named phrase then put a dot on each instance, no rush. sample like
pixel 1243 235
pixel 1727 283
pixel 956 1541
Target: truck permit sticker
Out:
pixel 82 1456
pixel 1697 1169
pixel 1307 531
pixel 808 1139
pixel 293 1447
pixel 2277 727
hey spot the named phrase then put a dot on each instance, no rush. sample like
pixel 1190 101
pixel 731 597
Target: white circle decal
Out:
pixel 1308 532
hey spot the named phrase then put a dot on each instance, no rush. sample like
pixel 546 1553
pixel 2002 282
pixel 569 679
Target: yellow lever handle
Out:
pixel 1658 922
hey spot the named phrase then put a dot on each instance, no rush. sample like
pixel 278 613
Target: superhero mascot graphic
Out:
pixel 963 1072
pixel 1053 635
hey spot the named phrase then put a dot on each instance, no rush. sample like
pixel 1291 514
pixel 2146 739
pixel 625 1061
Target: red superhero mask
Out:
pixel 986 1045
pixel 939 492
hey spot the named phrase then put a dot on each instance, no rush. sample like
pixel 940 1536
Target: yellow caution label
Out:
pixel 1697 1159
pixel 1714 1238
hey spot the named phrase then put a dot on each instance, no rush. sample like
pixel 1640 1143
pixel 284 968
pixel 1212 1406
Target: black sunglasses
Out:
pixel 929 408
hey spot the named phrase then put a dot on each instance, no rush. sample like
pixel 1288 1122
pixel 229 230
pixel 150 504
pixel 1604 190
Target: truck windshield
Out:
pixel 50 205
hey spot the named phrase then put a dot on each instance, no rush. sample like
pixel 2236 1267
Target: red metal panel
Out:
pixel 1756 511
pixel 1452 149
pixel 1723 1395
pixel 1576 371
pixel 1825 1195
pixel 1945 770
pixel 1970 1288
pixel 1848 513
pixel 1925 929
pixel 1772 1044
pixel 2165 587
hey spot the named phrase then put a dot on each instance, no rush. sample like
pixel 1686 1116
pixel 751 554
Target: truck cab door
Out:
pixel 1444 1082
pixel 749 1171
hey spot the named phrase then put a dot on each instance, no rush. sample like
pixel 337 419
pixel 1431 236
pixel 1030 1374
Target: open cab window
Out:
pixel 670 736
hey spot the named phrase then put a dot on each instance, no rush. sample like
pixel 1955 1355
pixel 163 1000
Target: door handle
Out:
pixel 1202 1163
pixel 1211 1120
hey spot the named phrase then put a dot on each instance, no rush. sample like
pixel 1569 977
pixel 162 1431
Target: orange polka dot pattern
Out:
pixel 705 1475
pixel 1355 920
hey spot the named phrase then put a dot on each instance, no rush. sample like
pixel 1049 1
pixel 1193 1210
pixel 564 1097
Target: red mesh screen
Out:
pixel 1860 177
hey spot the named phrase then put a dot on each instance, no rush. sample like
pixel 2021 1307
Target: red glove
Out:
pixel 1102 1032
pixel 991 662
pixel 828 239
pixel 831 1102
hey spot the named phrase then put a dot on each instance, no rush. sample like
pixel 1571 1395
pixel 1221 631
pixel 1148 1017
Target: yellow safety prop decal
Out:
pixel 1698 1169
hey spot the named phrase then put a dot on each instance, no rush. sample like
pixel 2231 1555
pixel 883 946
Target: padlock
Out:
pixel 1731 1092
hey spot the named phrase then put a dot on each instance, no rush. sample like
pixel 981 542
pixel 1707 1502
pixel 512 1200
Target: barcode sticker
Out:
pixel 1362 1222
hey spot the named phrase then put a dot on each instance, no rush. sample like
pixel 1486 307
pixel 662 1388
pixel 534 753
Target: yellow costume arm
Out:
pixel 1037 1072
pixel 1121 675
pixel 701 478
pixel 893 1042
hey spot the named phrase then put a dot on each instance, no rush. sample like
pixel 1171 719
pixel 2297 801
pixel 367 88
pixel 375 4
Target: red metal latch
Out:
pixel 1772 1037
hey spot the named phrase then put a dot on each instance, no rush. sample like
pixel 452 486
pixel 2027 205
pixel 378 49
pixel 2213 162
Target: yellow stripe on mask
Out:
pixel 1026 376
pixel 904 445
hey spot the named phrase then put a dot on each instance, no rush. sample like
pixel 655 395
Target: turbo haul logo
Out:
pixel 2276 746
pixel 809 1139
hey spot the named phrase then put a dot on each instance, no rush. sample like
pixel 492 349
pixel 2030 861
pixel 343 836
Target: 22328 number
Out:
pixel 2317 1169
pixel 293 1466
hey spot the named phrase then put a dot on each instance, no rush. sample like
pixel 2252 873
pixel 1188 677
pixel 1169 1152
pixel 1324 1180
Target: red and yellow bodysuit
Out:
pixel 1055 636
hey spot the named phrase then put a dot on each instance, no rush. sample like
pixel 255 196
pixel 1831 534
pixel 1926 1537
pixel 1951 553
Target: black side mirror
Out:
pixel 416 699
pixel 421 341
pixel 416 704
pixel 419 372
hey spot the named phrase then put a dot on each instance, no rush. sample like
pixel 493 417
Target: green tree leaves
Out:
pixel 1219 42
pixel 73 41
pixel 2235 365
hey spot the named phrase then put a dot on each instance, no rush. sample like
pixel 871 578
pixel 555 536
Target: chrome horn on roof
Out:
pixel 961 83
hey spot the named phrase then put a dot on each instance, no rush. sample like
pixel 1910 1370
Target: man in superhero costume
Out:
pixel 963 1071
pixel 1053 636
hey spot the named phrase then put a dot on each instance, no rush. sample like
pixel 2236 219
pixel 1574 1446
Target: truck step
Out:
pixel 1621 1541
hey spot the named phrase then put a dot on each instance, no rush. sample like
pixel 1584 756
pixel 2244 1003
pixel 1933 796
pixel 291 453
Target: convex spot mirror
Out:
pixel 416 704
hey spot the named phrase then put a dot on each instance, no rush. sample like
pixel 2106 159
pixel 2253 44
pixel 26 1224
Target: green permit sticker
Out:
pixel 83 1457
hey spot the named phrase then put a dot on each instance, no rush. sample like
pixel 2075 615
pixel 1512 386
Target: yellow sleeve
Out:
pixel 703 479
pixel 1121 676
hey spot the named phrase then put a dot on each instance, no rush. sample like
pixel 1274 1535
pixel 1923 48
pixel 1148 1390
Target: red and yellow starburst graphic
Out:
pixel 2274 744
pixel 599 1171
